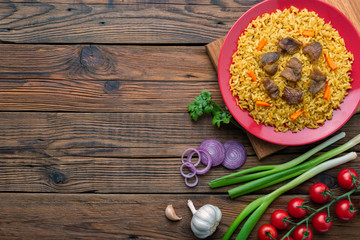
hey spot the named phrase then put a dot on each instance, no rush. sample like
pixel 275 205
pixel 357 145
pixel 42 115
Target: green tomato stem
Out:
pixel 318 210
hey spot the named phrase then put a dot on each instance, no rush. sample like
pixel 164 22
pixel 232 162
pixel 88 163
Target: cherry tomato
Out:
pixel 344 178
pixel 321 222
pixel 277 218
pixel 302 233
pixel 267 228
pixel 317 192
pixel 345 210
pixel 294 209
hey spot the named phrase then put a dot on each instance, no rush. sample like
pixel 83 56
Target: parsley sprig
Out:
pixel 203 104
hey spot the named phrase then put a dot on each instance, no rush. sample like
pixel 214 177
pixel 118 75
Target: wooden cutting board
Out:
pixel 262 148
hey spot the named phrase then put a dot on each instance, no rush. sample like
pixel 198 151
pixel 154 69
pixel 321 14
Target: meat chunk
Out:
pixel 318 80
pixel 288 74
pixel 292 96
pixel 271 69
pixel 317 75
pixel 293 70
pixel 268 58
pixel 271 87
pixel 295 65
pixel 267 62
pixel 289 45
pixel 314 50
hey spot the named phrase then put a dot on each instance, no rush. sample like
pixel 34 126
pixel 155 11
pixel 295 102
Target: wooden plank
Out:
pixel 130 216
pixel 117 22
pixel 105 62
pixel 150 135
pixel 149 175
pixel 116 153
pixel 101 96
pixel 35 135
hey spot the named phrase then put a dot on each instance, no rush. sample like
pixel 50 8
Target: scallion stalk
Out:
pixel 288 173
pixel 259 206
pixel 265 170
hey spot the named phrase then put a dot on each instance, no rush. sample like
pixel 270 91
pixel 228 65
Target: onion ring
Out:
pixel 192 184
pixel 189 157
pixel 209 163
pixel 191 167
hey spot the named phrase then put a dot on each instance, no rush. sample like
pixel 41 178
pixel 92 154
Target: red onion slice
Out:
pixel 235 155
pixel 191 167
pixel 209 162
pixel 189 157
pixel 216 150
pixel 192 184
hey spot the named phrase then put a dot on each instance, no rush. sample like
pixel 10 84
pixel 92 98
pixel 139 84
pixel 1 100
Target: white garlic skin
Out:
pixel 205 221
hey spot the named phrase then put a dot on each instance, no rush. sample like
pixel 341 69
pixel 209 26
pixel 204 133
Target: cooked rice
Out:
pixel 274 26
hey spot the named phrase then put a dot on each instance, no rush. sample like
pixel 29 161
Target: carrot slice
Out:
pixel 297 114
pixel 308 33
pixel 262 43
pixel 330 61
pixel 252 75
pixel 327 92
pixel 262 103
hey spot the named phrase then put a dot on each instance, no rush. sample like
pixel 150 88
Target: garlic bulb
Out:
pixel 205 220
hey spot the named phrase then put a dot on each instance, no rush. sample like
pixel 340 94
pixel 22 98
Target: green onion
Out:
pixel 259 206
pixel 291 172
pixel 265 170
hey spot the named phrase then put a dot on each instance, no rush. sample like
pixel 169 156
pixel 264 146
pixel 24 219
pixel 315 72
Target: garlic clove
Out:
pixel 170 213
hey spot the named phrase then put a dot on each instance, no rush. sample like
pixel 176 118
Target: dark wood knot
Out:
pixel 96 60
pixel 111 85
pixel 327 179
pixel 58 177
pixel 91 57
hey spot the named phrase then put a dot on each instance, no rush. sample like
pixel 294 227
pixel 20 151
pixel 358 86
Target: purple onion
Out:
pixel 206 154
pixel 235 155
pixel 216 150
pixel 189 157
pixel 191 168
pixel 192 184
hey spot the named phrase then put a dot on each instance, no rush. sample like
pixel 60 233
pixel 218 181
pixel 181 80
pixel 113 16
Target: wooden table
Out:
pixel 94 119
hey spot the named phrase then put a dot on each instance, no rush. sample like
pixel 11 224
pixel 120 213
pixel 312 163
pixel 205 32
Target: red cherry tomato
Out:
pixel 302 233
pixel 345 210
pixel 317 193
pixel 345 178
pixel 321 222
pixel 294 209
pixel 267 229
pixel 277 219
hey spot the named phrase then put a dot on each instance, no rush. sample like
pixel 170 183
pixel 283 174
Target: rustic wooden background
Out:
pixel 94 97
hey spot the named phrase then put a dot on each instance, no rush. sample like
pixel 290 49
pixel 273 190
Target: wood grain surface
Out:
pixel 94 119
pixel 104 216
pixel 120 22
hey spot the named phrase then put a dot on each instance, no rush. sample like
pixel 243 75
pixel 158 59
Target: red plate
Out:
pixel 305 136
